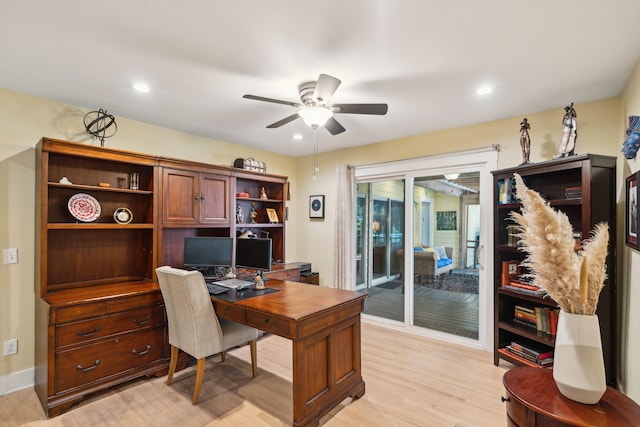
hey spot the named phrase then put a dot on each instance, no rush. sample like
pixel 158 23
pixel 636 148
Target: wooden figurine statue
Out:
pixel 569 134
pixel 263 194
pixel 525 141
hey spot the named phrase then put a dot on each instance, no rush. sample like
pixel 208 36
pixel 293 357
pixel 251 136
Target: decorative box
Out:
pixel 250 164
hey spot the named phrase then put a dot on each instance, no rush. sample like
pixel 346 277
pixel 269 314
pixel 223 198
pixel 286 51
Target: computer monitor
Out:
pixel 207 253
pixel 254 253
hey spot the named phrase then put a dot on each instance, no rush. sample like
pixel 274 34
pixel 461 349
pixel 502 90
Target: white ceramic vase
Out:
pixel 578 364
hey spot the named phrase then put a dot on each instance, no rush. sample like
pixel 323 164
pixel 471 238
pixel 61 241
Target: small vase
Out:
pixel 578 364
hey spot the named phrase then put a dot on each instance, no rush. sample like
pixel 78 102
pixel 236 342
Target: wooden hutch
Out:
pixel 100 318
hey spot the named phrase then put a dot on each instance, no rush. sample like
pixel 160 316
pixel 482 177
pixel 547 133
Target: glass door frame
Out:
pixel 482 160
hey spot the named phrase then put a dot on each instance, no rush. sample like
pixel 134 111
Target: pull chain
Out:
pixel 315 152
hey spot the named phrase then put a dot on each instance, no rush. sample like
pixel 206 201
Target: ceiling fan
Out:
pixel 315 109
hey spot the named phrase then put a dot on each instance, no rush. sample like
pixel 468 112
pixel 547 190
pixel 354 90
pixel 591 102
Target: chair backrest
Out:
pixel 193 324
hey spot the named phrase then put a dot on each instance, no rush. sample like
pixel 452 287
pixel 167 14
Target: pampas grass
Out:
pixel 573 280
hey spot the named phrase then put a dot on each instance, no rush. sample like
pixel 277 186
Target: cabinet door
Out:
pixel 181 191
pixel 214 199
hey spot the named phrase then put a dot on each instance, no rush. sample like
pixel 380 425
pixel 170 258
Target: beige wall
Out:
pixel 26 119
pixel 629 261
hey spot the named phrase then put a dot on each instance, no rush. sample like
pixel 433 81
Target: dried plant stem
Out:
pixel 572 280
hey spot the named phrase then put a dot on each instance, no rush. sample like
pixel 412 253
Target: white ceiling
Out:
pixel 425 58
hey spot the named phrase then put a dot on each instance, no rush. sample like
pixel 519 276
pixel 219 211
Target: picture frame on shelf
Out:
pixel 632 223
pixel 510 269
pixel 272 215
pixel 316 206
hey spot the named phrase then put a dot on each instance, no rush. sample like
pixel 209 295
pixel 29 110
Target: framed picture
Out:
pixel 273 215
pixel 510 269
pixel 631 211
pixel 446 220
pixel 316 206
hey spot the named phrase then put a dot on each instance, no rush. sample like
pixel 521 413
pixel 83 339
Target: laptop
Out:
pixel 237 284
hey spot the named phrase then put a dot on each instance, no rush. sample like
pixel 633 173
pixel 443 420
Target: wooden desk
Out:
pixel 533 400
pixel 324 325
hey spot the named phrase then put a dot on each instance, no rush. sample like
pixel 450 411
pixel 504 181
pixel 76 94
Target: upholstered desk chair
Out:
pixel 193 325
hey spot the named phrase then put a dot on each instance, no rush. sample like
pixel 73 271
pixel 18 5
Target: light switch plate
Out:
pixel 11 256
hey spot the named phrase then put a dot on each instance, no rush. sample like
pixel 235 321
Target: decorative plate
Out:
pixel 84 207
pixel 122 216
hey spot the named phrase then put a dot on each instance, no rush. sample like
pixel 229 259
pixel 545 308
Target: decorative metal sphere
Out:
pixel 100 124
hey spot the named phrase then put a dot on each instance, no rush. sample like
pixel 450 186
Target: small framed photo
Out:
pixel 631 221
pixel 272 215
pixel 510 269
pixel 316 206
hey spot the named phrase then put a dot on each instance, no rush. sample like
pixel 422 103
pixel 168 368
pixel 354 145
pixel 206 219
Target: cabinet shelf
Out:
pixel 98 226
pixel 97 188
pixel 517 360
pixel 529 333
pixel 255 199
pixel 259 224
pixel 546 301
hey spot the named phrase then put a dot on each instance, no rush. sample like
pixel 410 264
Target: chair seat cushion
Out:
pixel 444 262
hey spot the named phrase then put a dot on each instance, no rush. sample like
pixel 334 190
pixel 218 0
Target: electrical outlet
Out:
pixel 11 256
pixel 11 347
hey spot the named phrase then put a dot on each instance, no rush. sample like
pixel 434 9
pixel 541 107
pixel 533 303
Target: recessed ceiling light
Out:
pixel 141 87
pixel 297 137
pixel 483 90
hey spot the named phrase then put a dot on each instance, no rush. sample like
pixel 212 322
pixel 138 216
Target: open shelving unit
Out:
pixel 595 177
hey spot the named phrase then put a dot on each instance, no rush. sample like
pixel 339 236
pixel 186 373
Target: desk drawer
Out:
pixel 84 365
pixel 291 275
pixel 516 412
pixel 88 330
pixel 229 312
pixel 268 323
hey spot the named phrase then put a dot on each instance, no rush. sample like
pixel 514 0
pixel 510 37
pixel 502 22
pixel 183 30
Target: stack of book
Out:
pixel 542 358
pixel 573 193
pixel 542 319
pixel 525 285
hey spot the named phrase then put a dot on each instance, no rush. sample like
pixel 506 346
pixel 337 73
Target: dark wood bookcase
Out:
pixel 583 187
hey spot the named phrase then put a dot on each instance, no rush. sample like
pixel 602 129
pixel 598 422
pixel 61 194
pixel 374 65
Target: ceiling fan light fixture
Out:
pixel 315 116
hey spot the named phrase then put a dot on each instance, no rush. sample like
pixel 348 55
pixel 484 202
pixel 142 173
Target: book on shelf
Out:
pixel 532 352
pixel 573 193
pixel 542 319
pixel 539 361
pixel 534 292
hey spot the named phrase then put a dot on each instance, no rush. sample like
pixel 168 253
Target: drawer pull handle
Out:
pixel 88 368
pixel 88 334
pixel 265 321
pixel 143 352
pixel 142 322
pixel 504 399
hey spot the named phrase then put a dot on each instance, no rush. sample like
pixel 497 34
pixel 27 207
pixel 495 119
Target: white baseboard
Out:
pixel 16 381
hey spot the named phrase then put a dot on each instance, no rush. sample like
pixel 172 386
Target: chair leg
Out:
pixel 254 358
pixel 223 356
pixel 173 361
pixel 199 377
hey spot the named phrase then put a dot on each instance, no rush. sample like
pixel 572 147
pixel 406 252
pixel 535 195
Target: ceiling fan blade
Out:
pixel 333 126
pixel 326 86
pixel 378 109
pixel 283 121
pixel 275 101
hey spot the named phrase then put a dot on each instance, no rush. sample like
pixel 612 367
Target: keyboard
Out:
pixel 234 283
pixel 216 289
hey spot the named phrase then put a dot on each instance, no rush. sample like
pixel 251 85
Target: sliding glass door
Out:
pixel 421 230
pixel 379 246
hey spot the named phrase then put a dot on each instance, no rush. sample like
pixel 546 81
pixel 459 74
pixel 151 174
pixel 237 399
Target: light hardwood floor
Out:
pixel 410 381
